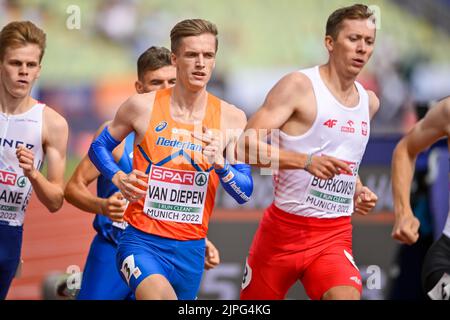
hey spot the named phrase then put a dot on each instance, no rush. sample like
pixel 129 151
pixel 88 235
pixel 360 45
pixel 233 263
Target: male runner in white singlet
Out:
pixel 323 116
pixel 28 130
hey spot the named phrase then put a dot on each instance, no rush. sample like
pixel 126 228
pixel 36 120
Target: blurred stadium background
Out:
pixel 89 70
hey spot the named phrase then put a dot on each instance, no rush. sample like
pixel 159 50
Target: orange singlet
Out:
pixel 182 184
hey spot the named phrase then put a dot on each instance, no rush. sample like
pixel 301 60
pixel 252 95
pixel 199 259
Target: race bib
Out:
pixel 176 195
pixel 334 196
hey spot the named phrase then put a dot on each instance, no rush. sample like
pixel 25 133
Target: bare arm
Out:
pixel 434 126
pixel 133 115
pixel 280 105
pixel 49 189
pixel 212 256
pixel 222 144
pixel 374 104
pixel 234 120
pixel 78 194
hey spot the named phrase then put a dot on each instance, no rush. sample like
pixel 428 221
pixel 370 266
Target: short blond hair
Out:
pixel 20 33
pixel 354 12
pixel 191 27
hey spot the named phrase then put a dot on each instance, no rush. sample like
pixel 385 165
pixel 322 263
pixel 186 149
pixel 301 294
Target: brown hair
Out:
pixel 191 27
pixel 152 59
pixel 20 33
pixel 354 12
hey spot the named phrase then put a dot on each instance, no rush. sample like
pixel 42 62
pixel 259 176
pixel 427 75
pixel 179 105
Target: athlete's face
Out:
pixel 195 60
pixel 161 78
pixel 19 69
pixel 354 45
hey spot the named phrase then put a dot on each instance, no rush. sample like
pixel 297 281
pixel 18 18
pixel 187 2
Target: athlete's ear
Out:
pixel 173 59
pixel 329 43
pixel 139 87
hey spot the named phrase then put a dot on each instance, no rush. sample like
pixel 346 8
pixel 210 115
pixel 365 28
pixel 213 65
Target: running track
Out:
pixel 53 242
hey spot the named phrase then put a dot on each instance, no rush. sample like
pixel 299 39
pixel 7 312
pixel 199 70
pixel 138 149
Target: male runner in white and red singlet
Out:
pixel 28 131
pixel 323 116
pixel 436 267
pixel 178 163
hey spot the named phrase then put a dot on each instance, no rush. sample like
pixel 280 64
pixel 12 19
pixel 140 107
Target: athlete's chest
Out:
pixel 19 131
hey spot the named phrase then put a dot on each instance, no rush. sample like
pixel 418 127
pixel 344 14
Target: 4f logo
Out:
pixel 330 123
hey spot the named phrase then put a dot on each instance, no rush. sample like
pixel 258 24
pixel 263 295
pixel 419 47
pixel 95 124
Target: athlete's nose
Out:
pixel 165 85
pixel 23 70
pixel 362 47
pixel 200 62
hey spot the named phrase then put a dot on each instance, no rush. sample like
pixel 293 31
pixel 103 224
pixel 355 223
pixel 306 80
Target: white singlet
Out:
pixel 15 189
pixel 338 131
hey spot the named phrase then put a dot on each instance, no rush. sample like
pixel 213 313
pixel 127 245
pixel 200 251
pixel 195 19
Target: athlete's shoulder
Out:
pixel 54 121
pixel 440 110
pixel 446 106
pixel 135 108
pixel 140 101
pixel 290 89
pixel 374 102
pixel 290 92
pixel 295 81
pixel 233 116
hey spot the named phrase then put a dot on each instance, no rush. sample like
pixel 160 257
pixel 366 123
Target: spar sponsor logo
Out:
pixel 8 178
pixel 364 128
pixel 173 176
pixel 348 128
pixel 179 177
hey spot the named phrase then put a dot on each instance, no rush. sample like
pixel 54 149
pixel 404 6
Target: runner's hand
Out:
pixel 213 149
pixel 364 200
pixel 114 207
pixel 26 162
pixel 406 228
pixel 131 185
pixel 212 257
pixel 326 167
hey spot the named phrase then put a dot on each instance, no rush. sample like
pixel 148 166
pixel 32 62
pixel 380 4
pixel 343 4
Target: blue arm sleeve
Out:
pixel 237 181
pixel 101 156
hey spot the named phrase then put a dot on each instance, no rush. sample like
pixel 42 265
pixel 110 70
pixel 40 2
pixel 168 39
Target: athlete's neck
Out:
pixel 11 106
pixel 187 104
pixel 341 85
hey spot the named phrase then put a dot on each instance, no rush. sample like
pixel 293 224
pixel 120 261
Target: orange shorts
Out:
pixel 287 248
